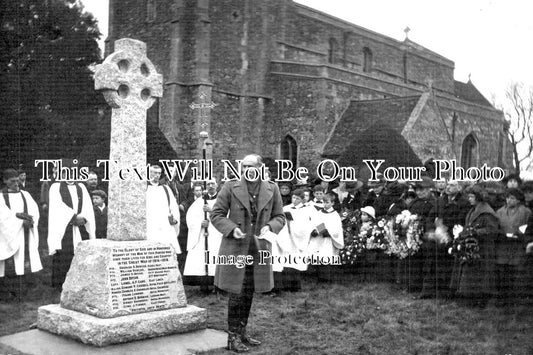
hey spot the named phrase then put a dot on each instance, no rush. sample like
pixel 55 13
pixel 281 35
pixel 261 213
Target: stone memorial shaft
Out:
pixel 130 84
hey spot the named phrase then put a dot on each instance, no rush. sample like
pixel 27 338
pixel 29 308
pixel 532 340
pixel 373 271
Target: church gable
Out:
pixel 426 131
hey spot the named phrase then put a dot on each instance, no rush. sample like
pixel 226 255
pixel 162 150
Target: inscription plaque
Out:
pixel 140 278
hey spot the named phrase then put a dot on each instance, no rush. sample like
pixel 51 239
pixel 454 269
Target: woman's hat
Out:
pixel 369 210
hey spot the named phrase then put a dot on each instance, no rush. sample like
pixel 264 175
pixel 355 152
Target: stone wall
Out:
pixel 485 123
pixel 315 37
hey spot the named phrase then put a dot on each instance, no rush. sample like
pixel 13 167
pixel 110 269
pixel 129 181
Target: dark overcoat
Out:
pixel 511 251
pixel 477 278
pixel 232 210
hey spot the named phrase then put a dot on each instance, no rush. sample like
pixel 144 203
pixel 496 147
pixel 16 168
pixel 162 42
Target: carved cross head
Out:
pixel 128 77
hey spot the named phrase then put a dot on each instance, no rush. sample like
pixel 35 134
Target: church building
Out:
pixel 289 82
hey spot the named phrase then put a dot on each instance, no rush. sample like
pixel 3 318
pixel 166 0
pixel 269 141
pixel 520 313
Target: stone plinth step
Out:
pixel 38 342
pixel 105 331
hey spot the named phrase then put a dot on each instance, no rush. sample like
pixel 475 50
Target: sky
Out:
pixel 489 40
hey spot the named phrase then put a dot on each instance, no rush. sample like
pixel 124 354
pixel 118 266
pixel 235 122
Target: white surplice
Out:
pixel 12 233
pixel 158 209
pixel 293 239
pixel 195 263
pixel 60 215
pixel 326 246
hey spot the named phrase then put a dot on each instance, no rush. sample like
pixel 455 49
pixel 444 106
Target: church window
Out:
pixel 150 10
pixel 333 46
pixel 469 151
pixel 367 60
pixel 289 150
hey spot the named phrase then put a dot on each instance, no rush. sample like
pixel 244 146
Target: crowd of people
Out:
pixel 441 239
pixel 471 241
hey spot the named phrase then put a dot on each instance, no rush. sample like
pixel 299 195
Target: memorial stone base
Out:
pixel 106 331
pixel 119 291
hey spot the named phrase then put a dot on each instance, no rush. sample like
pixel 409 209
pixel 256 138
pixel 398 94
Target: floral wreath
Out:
pixel 404 235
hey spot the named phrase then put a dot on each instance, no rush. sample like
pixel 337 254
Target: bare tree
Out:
pixel 519 113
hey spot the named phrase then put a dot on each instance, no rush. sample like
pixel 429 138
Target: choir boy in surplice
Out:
pixel 70 220
pixel 326 238
pixel 162 212
pixel 293 240
pixel 317 202
pixel 19 236
pixel 199 265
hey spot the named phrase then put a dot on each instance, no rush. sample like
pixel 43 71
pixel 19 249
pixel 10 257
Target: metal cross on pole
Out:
pixel 204 108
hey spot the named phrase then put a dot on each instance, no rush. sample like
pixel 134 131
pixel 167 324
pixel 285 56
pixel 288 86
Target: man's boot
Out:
pixel 246 339
pixel 235 343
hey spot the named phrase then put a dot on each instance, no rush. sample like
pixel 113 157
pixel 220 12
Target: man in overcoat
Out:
pixel 254 208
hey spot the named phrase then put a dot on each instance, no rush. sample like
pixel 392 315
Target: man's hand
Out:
pixel 172 220
pixel 238 234
pixel 79 221
pixel 264 230
pixel 207 208
pixel 205 223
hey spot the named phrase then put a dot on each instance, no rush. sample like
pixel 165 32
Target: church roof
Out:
pixel 468 92
pixel 394 113
pixel 379 142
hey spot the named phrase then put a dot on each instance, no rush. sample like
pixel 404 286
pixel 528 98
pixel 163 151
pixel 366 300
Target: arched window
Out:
pixel 333 46
pixel 289 150
pixel 367 60
pixel 469 152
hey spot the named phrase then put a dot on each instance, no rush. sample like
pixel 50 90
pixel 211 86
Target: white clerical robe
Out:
pixel 159 206
pixel 60 215
pixel 326 246
pixel 12 233
pixel 195 263
pixel 293 239
pixel 317 205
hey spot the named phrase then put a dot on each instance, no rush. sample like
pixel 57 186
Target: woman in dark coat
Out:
pixel 476 279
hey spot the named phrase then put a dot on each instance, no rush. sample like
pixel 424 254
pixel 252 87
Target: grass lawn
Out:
pixel 344 317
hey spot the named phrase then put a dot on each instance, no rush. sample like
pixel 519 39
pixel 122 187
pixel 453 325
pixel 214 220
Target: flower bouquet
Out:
pixel 353 250
pixel 354 237
pixel 351 222
pixel 377 238
pixel 465 246
pixel 404 235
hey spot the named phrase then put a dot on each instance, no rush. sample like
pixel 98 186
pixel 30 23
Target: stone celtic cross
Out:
pixel 130 84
